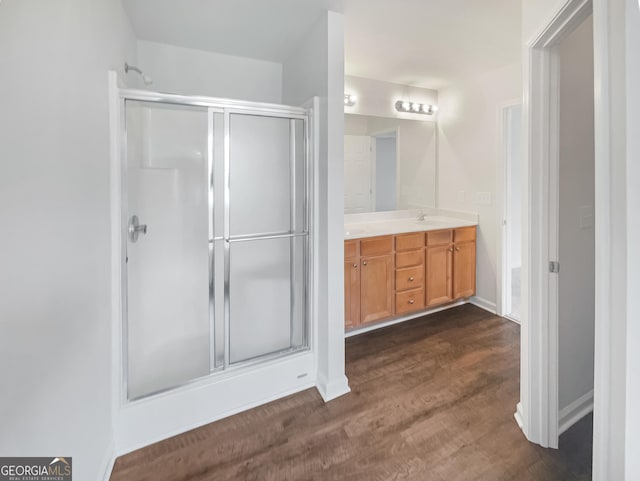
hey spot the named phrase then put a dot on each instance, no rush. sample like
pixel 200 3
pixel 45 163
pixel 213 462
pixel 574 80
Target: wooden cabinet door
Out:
pixel 376 287
pixel 351 293
pixel 464 270
pixel 439 271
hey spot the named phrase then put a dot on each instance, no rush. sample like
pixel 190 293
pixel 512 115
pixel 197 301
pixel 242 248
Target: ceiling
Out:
pixel 267 29
pixel 424 43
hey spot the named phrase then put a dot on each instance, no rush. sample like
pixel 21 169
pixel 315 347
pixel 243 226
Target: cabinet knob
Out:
pixel 457 248
pixel 355 266
pixel 364 263
pixel 411 279
pixel 450 249
pixel 411 301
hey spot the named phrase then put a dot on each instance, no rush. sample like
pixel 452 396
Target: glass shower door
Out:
pixel 168 258
pixel 216 240
pixel 266 236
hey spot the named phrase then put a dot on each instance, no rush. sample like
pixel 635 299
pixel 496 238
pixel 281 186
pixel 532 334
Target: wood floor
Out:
pixel 431 399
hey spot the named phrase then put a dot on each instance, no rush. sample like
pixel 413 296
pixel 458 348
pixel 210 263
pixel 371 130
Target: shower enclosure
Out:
pixel 215 237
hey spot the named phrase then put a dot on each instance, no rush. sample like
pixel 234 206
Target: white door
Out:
pixel 357 174
pixel 168 323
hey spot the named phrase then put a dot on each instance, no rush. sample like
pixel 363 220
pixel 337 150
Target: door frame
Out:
pixel 537 411
pixel 503 273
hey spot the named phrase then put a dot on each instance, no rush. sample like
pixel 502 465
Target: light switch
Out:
pixel 483 198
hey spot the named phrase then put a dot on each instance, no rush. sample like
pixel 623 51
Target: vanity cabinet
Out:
pixel 376 278
pixel 351 284
pixel 369 280
pixel 399 274
pixel 450 265
pixel 464 262
pixel 409 273
pixel 439 268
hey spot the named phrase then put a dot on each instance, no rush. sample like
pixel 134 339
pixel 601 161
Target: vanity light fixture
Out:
pixel 350 100
pixel 415 108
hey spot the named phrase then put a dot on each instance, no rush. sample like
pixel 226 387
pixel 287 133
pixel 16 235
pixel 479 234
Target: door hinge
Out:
pixel 554 267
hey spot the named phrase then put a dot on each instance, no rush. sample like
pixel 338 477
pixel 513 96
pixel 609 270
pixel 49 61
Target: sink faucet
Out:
pixel 421 215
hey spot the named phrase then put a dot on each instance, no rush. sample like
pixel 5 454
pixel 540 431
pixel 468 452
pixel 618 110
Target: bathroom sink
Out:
pixel 430 222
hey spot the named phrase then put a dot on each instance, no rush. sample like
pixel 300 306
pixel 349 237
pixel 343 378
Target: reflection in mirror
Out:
pixel 385 189
pixel 389 164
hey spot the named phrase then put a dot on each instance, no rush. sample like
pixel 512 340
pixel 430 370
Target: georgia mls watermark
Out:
pixel 35 469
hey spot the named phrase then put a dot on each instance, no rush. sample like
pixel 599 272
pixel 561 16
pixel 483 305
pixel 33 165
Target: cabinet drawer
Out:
pixel 410 258
pixel 350 249
pixel 408 242
pixel 464 234
pixel 409 301
pixel 438 237
pixel 409 278
pixel 376 246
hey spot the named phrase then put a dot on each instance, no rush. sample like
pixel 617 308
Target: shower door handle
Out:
pixel 135 228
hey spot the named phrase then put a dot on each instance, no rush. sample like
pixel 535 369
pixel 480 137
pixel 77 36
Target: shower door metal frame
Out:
pixel 226 107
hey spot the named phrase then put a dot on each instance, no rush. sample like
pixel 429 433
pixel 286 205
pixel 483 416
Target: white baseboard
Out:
pixel 575 411
pixel 398 320
pixel 333 389
pixel 512 319
pixel 518 416
pixel 484 304
pixel 108 461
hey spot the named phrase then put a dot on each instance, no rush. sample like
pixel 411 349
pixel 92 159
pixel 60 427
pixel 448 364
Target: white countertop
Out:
pixel 358 226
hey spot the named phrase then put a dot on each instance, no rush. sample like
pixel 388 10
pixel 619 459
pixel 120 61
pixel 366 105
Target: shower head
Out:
pixel 145 78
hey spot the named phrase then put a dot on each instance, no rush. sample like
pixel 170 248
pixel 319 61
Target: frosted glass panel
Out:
pixel 168 268
pixel 263 297
pixel 298 285
pixel 259 174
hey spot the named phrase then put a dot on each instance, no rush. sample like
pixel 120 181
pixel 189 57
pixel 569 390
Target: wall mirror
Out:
pixel 389 164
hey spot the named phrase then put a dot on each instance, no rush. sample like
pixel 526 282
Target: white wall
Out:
pixel 196 72
pixel 378 98
pixel 576 315
pixel 55 349
pixel 632 73
pixel 468 153
pixel 316 68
